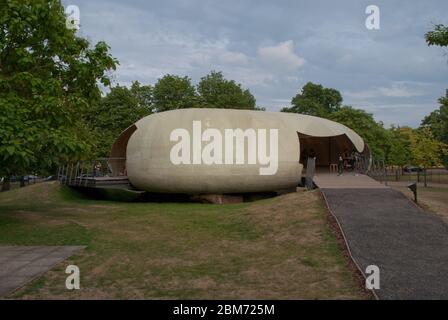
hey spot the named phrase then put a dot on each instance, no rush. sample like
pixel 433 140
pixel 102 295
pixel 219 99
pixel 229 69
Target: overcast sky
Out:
pixel 275 47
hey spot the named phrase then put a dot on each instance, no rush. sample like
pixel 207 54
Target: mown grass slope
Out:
pixel 280 248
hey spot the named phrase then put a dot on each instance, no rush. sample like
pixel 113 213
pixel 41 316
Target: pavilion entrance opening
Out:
pixel 326 151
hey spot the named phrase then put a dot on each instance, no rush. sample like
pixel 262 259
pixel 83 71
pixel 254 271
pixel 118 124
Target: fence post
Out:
pixel 379 173
pixel 87 175
pixel 66 174
pixel 424 177
pixel 76 173
pixel 70 175
pixel 60 172
pixel 80 173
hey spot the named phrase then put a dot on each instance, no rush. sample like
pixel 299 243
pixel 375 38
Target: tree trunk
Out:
pixel 6 184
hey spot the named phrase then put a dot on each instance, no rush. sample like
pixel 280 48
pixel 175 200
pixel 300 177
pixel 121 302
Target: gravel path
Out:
pixel 384 228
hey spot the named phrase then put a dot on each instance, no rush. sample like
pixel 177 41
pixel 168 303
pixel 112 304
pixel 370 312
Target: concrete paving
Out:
pixel 21 264
pixel 384 228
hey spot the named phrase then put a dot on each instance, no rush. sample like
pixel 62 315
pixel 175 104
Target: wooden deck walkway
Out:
pixel 346 181
pixel 121 182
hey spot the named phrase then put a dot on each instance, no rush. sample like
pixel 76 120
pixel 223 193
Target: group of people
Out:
pixel 346 160
pixel 98 171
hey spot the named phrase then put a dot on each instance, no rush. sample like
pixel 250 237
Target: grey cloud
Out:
pixel 390 72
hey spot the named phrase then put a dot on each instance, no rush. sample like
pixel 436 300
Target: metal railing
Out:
pixel 377 170
pixel 383 173
pixel 362 163
pixel 425 175
pixel 81 172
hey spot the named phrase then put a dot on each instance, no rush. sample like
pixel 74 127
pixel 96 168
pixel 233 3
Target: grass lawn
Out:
pixel 279 248
pixel 433 199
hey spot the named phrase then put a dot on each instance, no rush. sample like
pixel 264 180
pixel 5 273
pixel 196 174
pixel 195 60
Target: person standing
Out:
pixel 304 156
pixel 97 170
pixel 340 165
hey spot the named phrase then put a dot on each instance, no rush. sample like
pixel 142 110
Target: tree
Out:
pixel 48 80
pixel 143 97
pixel 437 122
pixel 315 100
pixel 119 109
pixel 174 92
pixel 399 152
pixel 438 36
pixel 364 124
pixel 426 150
pixel 217 92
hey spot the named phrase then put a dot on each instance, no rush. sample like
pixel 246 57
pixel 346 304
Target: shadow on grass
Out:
pixel 129 195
